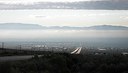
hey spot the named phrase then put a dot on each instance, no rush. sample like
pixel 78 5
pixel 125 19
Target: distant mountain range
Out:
pixel 21 26
pixel 95 5
pixel 108 27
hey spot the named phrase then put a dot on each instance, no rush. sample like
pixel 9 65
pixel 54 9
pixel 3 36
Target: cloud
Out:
pixel 93 5
pixel 32 1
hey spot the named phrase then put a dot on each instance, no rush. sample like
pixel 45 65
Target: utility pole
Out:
pixel 20 47
pixel 2 45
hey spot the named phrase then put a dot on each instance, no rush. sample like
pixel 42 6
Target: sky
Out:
pixel 45 0
pixel 32 1
pixel 64 17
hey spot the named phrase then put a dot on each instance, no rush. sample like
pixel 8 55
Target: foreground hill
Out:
pixel 67 63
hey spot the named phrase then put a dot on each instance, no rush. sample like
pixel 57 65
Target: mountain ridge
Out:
pixel 23 26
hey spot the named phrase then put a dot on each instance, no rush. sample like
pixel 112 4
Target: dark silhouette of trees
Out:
pixel 67 63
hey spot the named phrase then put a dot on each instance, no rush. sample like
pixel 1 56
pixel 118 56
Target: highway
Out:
pixel 25 57
pixel 77 50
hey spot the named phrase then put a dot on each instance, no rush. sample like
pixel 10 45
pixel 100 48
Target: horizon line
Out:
pixel 65 25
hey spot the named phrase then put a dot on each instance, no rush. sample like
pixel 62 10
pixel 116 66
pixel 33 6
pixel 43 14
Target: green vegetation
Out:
pixel 67 63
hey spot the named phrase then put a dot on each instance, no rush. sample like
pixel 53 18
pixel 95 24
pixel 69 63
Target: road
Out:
pixel 14 58
pixel 77 50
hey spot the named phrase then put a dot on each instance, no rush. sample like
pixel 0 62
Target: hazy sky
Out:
pixel 62 17
pixel 45 0
pixel 65 17
pixel 32 1
pixel 63 34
